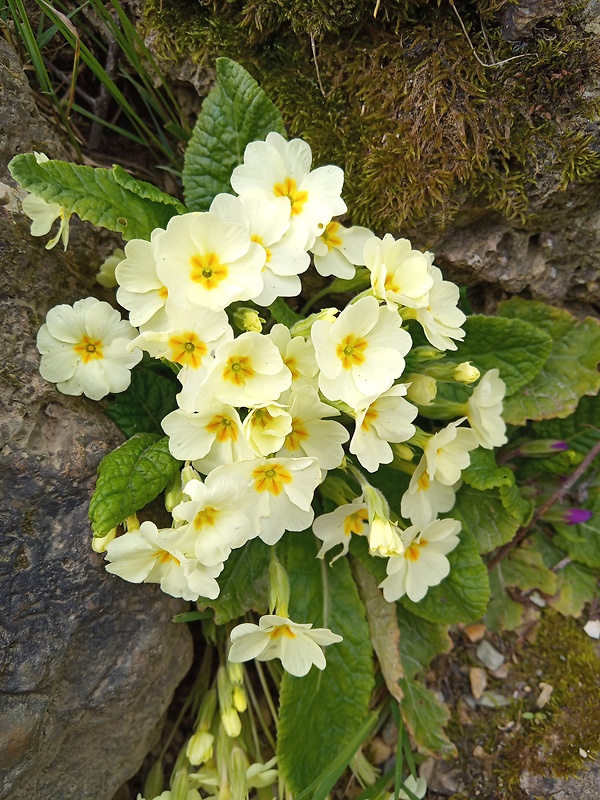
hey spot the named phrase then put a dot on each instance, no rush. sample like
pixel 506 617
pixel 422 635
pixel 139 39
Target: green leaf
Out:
pixel 145 190
pixel 281 312
pixel 93 194
pixel 235 113
pixel 576 585
pixel 518 349
pixel 463 595
pixel 244 583
pixel 580 429
pixel 515 504
pixel 129 478
pixel 582 541
pixel 570 370
pixel 420 641
pixel 425 717
pixel 142 407
pixel 319 714
pixel 383 628
pixel 483 472
pixel 503 613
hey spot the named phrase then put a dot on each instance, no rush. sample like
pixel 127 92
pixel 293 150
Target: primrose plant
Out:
pixel 309 460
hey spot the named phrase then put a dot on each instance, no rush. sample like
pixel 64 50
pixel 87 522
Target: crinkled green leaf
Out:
pixel 570 370
pixel 244 583
pixel 142 407
pixel 514 502
pixel 320 713
pixel 576 585
pixel 483 472
pixel 235 113
pixel 503 613
pixel 463 595
pixel 518 349
pixel 145 190
pixel 425 717
pixel 420 641
pixel 383 627
pixel 485 516
pixel 93 194
pixel 580 429
pixel 129 478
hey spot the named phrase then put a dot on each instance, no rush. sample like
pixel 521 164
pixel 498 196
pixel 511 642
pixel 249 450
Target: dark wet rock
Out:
pixel 88 663
pixel 519 19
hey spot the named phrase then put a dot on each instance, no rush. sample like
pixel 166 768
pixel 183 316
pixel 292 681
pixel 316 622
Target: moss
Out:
pixel 401 101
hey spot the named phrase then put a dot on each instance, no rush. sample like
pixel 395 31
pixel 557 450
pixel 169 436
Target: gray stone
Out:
pixel 88 662
pixel 584 786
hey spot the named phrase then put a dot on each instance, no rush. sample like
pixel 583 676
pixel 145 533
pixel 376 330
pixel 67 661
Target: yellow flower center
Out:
pixel 413 551
pixel 163 293
pixel 258 239
pixel 271 478
pixel 391 285
pixel 292 364
pixel 223 427
pixel 289 188
pixel 351 351
pixel 188 349
pixel 238 370
pixel 164 557
pixel 205 516
pixel 207 270
pixel 299 434
pixel 424 483
pixel 88 349
pixel 355 522
pixel 330 235
pixel 369 419
pixel 282 630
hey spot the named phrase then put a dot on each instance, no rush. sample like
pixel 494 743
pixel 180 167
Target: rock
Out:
pixel 584 786
pixel 88 663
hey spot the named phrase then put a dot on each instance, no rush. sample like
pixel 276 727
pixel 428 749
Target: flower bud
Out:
pixel 106 274
pixel 153 785
pixel 337 489
pixel 422 389
pixel 100 543
pixel 240 701
pixel 174 493
pixel 231 722
pixel 466 373
pixel 188 473
pixel 200 747
pixel 247 319
pixel 179 787
pixel 303 326
pixel 132 523
pixel 568 516
pixel 402 451
pixel 541 447
pixel 236 673
pixel 279 587
pixel 384 538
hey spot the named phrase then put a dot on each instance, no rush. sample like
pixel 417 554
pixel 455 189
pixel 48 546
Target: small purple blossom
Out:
pixel 575 516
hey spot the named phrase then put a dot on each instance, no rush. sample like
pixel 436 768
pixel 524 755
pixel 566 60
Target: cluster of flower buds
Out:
pixel 264 414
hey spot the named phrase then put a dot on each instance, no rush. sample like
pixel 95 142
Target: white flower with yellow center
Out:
pixel 484 410
pixel 440 317
pixel 297 645
pixel 281 168
pixel 338 250
pixel 266 427
pixel 140 290
pixel 145 556
pixel 84 349
pixel 205 261
pixel 188 339
pixel 248 371
pixel 423 563
pixel 361 353
pixel 425 497
pixel 399 274
pixel 338 526
pixel 215 524
pixel 281 493
pixel 298 355
pixel 209 437
pixel 447 452
pixel 387 418
pixel 311 433
pixel 268 223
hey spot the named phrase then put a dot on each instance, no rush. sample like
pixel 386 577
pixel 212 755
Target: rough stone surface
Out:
pixel 88 663
pixel 585 786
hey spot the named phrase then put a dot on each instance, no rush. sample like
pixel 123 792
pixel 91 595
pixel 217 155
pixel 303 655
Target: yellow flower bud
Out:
pixel 200 747
pixel 422 389
pixel 231 722
pixel 236 673
pixel 100 543
pixel 237 774
pixel 240 701
pixel 466 373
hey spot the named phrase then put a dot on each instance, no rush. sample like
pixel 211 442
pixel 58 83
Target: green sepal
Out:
pixel 319 713
pixel 235 113
pixel 516 348
pixel 129 478
pixel 464 594
pixel 94 194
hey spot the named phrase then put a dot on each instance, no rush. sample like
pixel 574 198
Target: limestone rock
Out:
pixel 88 662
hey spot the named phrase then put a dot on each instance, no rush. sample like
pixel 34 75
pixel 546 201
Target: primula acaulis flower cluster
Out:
pixel 266 412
